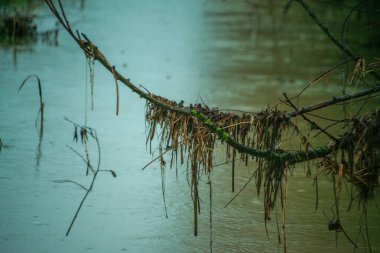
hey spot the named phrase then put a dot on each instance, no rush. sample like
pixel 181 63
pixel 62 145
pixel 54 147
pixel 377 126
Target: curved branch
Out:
pixel 283 156
pixel 296 156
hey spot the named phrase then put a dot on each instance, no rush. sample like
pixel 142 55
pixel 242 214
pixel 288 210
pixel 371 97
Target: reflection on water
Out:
pixel 233 54
pixel 21 27
pixel 264 49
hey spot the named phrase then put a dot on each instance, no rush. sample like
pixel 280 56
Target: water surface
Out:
pixel 238 55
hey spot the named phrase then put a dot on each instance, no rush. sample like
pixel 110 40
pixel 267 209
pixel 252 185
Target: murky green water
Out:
pixel 231 54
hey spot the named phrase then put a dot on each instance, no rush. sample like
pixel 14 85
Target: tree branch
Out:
pixel 91 50
pixel 335 100
pixel 342 47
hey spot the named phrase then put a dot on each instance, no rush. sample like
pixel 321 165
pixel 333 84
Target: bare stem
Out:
pixel 41 110
pixel 93 134
pixel 334 100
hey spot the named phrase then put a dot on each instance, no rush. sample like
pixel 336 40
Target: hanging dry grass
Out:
pixel 190 140
pixel 187 138
pixel 358 159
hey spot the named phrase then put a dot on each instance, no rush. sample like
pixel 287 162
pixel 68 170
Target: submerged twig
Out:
pixel 41 110
pixel 85 132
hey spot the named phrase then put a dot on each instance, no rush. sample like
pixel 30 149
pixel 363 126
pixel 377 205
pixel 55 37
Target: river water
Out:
pixel 230 54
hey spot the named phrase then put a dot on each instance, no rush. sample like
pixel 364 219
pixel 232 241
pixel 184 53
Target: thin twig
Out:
pixel 210 196
pixel 113 173
pixel 315 125
pixel 41 110
pixel 155 159
pixel 334 100
pixel 93 134
pixel 117 90
pixel 347 20
pixel 70 181
pixel 325 118
pixel 86 161
pixel 321 76
pixel 245 185
pixel 163 153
